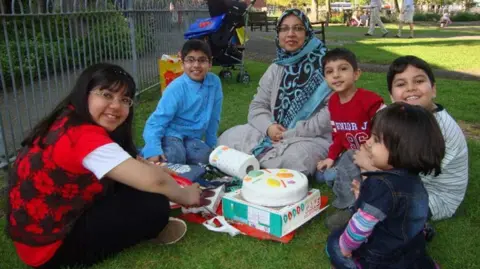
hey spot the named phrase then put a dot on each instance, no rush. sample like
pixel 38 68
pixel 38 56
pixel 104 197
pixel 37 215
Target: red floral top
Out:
pixel 50 187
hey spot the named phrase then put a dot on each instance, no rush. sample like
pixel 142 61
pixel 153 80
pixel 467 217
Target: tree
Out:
pixel 397 7
pixel 36 6
pixel 289 3
pixel 469 4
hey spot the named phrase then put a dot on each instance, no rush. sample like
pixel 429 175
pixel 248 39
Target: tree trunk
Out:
pixel 329 11
pixel 314 11
pixel 397 7
pixel 2 6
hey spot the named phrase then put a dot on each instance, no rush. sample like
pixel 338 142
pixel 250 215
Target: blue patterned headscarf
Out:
pixel 302 78
pixel 303 87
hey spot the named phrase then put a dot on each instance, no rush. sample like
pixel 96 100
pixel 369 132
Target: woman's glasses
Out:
pixel 192 60
pixel 295 28
pixel 109 97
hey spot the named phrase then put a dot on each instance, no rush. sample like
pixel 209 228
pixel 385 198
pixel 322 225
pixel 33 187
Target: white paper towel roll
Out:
pixel 233 162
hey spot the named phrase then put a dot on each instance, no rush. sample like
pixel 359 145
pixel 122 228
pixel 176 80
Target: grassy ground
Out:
pixel 455 246
pixel 453 48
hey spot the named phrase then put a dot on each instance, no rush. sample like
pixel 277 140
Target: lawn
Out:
pixel 455 246
pixel 454 48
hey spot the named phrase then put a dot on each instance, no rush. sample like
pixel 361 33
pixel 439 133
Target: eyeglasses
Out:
pixel 109 97
pixel 295 28
pixel 192 60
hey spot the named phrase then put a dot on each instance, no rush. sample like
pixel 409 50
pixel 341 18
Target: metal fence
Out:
pixel 47 43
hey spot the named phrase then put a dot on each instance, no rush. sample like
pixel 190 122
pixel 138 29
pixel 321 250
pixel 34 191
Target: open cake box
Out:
pixel 277 221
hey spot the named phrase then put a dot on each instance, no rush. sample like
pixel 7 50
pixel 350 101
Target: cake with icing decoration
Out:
pixel 274 187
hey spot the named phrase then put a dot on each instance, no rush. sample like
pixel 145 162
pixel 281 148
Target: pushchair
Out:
pixel 220 32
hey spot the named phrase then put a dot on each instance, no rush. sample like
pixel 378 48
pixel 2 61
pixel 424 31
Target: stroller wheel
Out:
pixel 225 74
pixel 243 78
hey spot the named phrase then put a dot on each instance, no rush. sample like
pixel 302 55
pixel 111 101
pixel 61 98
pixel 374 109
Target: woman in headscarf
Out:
pixel 288 120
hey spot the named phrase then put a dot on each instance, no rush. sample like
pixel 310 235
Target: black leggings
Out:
pixel 118 221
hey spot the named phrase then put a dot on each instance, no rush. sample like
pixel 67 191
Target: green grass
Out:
pixel 455 48
pixel 455 245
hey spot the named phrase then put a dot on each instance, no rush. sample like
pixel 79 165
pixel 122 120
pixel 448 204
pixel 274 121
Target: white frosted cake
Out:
pixel 274 187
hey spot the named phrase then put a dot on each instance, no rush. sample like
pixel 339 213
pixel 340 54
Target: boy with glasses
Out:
pixel 188 111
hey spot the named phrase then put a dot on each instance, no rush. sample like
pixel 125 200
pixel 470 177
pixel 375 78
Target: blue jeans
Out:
pixel 186 151
pixel 333 251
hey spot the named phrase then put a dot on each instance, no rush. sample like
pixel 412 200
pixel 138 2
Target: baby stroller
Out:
pixel 220 32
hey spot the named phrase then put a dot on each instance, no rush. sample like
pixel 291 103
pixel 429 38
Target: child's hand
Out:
pixel 168 171
pixel 192 195
pixel 141 159
pixel 362 159
pixel 356 188
pixel 156 159
pixel 275 132
pixel 325 164
pixel 164 168
pixel 346 253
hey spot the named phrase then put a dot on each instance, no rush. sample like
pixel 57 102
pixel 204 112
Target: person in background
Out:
pixel 376 7
pixel 445 20
pixel 364 19
pixel 406 16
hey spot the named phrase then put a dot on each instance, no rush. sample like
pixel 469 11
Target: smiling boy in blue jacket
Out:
pixel 188 111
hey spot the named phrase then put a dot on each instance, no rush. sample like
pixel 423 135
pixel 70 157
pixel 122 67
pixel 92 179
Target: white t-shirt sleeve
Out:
pixel 103 159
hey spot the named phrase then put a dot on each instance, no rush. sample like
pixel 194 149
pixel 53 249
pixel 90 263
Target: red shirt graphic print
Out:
pixel 351 121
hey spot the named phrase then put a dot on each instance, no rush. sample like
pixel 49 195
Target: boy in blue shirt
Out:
pixel 189 110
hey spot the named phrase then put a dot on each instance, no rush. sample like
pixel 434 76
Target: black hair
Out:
pixel 412 136
pixel 101 75
pixel 400 64
pixel 196 45
pixel 340 54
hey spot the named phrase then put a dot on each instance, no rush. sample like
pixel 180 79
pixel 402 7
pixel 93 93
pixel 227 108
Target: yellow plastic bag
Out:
pixel 242 35
pixel 169 68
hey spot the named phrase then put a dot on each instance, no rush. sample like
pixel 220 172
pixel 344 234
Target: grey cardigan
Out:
pixel 301 148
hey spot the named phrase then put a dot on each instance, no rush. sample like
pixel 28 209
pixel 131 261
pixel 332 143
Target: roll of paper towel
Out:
pixel 233 162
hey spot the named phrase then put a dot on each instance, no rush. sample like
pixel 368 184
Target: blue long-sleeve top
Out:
pixel 187 109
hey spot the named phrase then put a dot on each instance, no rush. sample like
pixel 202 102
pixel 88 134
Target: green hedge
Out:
pixel 465 16
pixel 460 16
pixel 426 16
pixel 109 35
pixel 336 18
pixel 387 19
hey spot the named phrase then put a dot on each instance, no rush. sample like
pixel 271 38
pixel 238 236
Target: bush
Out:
pixel 65 49
pixel 336 17
pixel 386 19
pixel 426 17
pixel 460 16
pixel 466 16
pixel 22 53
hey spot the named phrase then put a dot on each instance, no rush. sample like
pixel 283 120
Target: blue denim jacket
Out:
pixel 400 201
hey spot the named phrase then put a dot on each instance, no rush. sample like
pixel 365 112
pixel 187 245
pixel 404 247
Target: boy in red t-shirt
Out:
pixel 351 108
